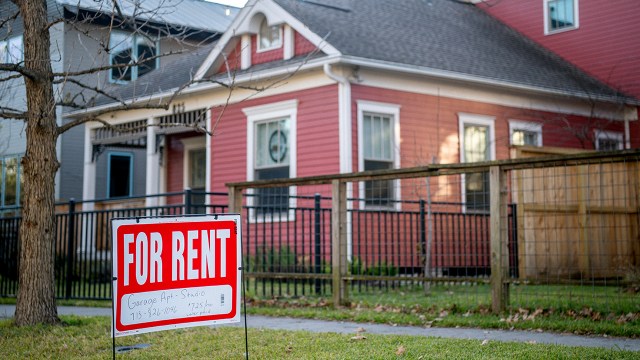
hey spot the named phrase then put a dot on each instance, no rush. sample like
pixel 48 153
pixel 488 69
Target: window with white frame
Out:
pixel 128 53
pixel 378 142
pixel 609 140
pixel 269 37
pixel 271 154
pixel 10 181
pixel 560 15
pixel 119 174
pixel 477 143
pixel 11 50
pixel 195 171
pixel 525 133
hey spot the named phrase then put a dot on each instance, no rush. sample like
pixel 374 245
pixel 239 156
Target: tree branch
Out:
pixel 13 114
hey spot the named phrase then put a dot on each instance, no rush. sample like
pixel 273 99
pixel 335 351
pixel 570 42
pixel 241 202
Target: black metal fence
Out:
pixel 285 252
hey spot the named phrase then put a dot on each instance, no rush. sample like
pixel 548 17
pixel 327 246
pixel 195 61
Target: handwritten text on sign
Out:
pixel 175 272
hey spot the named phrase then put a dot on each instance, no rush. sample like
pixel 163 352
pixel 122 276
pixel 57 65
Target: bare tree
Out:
pixel 34 73
pixel 75 88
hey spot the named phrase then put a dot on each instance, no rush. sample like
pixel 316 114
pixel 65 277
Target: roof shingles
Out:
pixel 444 35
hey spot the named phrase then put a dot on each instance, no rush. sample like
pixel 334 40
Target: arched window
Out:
pixel 270 37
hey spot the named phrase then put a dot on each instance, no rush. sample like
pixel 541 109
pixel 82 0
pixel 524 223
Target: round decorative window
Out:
pixel 277 146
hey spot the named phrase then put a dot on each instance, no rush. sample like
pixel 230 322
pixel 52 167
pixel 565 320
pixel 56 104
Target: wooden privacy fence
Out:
pixel 584 215
pixel 569 216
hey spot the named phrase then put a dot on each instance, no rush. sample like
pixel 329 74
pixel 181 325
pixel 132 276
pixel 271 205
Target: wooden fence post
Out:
pixel 339 242
pixel 499 239
pixel 235 200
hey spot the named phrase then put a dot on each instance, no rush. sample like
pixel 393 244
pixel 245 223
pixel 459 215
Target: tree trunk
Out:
pixel 36 294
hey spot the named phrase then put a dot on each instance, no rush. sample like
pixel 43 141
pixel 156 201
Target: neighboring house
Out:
pixel 361 85
pixel 95 41
pixel 600 37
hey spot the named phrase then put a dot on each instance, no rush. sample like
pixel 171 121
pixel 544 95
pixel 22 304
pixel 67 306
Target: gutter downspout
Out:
pixel 344 140
pixel 344 119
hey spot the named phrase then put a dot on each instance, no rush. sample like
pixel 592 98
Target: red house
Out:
pixel 599 37
pixel 340 86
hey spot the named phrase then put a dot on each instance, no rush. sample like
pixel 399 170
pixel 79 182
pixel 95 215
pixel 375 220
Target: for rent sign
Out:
pixel 175 272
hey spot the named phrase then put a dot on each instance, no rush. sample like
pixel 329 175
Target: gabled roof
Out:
pixel 445 36
pixel 447 39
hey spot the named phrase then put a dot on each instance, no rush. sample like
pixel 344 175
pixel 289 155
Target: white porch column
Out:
pixel 207 185
pixel 152 185
pixel 89 172
pixel 88 240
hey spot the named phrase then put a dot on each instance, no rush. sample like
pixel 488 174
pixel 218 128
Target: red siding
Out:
pixel 317 133
pixel 264 56
pixel 606 44
pixel 233 59
pixel 429 125
pixel 302 45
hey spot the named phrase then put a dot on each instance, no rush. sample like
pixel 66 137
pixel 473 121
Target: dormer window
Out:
pixel 560 15
pixel 270 36
pixel 129 49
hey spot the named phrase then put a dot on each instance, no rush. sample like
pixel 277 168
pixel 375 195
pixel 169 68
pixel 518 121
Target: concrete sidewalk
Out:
pixel 343 327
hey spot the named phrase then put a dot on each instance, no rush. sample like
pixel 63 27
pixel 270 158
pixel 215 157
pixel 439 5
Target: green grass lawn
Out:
pixel 575 309
pixel 560 308
pixel 89 338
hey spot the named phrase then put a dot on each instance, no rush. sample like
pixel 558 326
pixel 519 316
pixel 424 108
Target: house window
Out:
pixel 560 15
pixel 608 140
pixel 271 144
pixel 129 49
pixel 477 139
pixel 119 175
pixel 11 50
pixel 378 139
pixel 10 180
pixel 525 133
pixel 270 36
pixel 272 162
pixel 195 172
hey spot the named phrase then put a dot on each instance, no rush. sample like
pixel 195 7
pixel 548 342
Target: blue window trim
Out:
pixel 125 154
pixel 133 69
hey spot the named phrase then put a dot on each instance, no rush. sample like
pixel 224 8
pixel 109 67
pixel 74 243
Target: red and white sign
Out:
pixel 175 272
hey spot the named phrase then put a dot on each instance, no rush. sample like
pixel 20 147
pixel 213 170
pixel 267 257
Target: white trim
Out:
pixel 526 126
pixel 284 109
pixel 245 51
pixel 452 75
pixel 344 121
pixel 288 50
pixel 208 147
pixel 609 135
pixel 474 119
pixel 152 182
pixel 241 25
pixel 576 17
pixel 405 80
pixel 89 172
pixel 188 144
pixel 386 109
